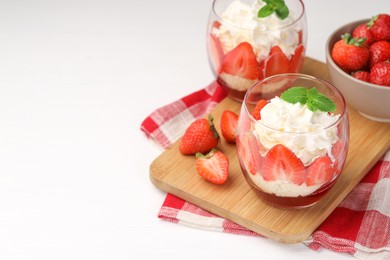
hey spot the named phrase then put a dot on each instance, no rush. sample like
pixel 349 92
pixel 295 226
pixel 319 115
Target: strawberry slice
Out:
pixel 261 70
pixel 214 166
pixel 249 152
pixel 320 171
pixel 337 149
pixel 281 163
pixel 216 52
pixel 241 61
pixel 228 125
pixel 338 153
pixel 259 106
pixel 300 36
pixel 296 62
pixel 277 62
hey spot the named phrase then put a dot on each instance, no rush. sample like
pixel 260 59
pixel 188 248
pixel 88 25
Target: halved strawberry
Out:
pixel 214 166
pixel 261 70
pixel 241 61
pixel 216 52
pixel 259 106
pixel 228 125
pixel 249 152
pixel 296 62
pixel 320 171
pixel 300 37
pixel 277 62
pixel 337 149
pixel 338 155
pixel 281 163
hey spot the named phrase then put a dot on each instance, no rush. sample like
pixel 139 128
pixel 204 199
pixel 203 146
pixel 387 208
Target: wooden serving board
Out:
pixel 235 200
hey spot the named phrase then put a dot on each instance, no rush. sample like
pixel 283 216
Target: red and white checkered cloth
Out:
pixel 360 225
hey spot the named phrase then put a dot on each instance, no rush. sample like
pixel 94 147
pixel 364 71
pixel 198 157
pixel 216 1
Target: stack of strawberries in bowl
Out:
pixel 358 61
pixel 366 53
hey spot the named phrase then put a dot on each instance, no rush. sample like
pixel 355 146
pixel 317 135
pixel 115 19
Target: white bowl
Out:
pixel 370 100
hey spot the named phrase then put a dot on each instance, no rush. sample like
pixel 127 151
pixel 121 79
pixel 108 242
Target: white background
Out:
pixel 77 78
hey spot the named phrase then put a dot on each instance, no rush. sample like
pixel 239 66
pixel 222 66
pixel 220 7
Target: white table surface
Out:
pixel 77 78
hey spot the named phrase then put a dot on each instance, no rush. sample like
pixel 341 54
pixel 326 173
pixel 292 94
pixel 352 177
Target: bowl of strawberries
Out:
pixel 358 60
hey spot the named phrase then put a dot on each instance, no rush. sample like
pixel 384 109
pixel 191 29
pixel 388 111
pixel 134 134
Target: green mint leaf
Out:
pixel 312 93
pixel 265 11
pixel 277 6
pixel 322 103
pixel 295 95
pixel 282 12
pixel 311 105
pixel 311 97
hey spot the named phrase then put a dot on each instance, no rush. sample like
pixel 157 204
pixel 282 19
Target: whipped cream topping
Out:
pixel 303 131
pixel 241 24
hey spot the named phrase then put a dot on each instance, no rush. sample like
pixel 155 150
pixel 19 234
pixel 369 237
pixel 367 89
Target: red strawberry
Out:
pixel 241 61
pixel 362 75
pixel 338 153
pixel 350 54
pixel 300 37
pixel 261 70
pixel 337 149
pixel 380 27
pixel 277 62
pixel 296 62
pixel 259 106
pixel 362 31
pixel 201 136
pixel 379 51
pixel 320 171
pixel 380 73
pixel 249 152
pixel 216 52
pixel 214 166
pixel 281 163
pixel 228 125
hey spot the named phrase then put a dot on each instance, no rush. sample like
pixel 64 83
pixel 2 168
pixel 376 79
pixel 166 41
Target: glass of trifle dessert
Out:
pixel 249 40
pixel 292 139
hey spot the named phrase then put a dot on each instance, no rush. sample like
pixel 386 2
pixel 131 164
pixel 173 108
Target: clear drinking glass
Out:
pixel 291 156
pixel 243 48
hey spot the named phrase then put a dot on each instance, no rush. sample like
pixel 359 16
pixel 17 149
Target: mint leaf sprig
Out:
pixel 311 97
pixel 278 7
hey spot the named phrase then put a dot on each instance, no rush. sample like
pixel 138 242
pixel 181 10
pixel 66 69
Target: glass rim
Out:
pixel 343 113
pixel 298 18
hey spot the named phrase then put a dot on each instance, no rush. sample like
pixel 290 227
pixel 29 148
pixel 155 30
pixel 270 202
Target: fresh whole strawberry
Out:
pixel 350 54
pixel 214 166
pixel 379 51
pixel 362 31
pixel 281 163
pixel 380 27
pixel 241 62
pixel 320 171
pixel 228 125
pixel 380 73
pixel 362 75
pixel 201 136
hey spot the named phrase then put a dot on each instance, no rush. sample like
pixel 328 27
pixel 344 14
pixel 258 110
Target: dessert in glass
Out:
pixel 249 40
pixel 292 139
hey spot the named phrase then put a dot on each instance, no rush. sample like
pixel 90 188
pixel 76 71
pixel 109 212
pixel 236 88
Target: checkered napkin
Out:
pixel 360 225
